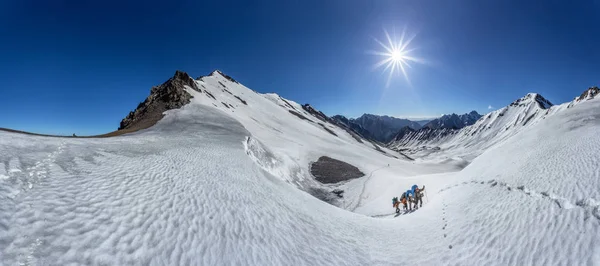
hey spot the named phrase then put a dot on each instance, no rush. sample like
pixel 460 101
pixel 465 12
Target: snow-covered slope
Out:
pixel 216 185
pixel 287 137
pixel 489 130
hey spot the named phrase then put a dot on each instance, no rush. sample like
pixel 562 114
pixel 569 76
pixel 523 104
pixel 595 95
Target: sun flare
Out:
pixel 397 56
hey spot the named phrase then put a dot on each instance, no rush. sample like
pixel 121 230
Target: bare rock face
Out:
pixel 169 95
pixel 589 94
pixel 328 170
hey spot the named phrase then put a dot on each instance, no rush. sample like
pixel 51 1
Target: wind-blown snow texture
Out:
pixel 216 185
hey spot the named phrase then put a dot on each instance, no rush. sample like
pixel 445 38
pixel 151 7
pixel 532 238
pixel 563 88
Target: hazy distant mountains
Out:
pixel 376 127
pixel 386 128
pixel 453 121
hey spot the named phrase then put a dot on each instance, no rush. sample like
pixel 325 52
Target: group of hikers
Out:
pixel 410 198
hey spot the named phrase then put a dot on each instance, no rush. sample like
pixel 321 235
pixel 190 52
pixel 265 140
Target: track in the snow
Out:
pixel 360 197
pixel 590 205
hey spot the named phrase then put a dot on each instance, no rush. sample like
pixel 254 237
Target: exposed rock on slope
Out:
pixel 328 170
pixel 526 100
pixel 403 132
pixel 435 129
pixel 406 137
pixel 588 94
pixel 354 127
pixel 169 95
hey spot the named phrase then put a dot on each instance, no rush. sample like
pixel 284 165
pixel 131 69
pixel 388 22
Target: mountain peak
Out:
pixel 220 73
pixel 532 98
pixel 588 94
pixel 169 95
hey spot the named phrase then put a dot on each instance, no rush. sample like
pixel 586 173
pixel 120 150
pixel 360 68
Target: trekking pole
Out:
pixel 426 196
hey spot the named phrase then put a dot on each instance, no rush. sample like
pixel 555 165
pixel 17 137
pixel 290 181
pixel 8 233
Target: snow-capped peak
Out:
pixel 588 94
pixel 217 72
pixel 484 132
pixel 532 98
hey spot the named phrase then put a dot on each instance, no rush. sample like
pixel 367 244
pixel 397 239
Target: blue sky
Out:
pixel 81 66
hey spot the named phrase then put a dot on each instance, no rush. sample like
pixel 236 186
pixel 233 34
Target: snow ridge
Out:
pixel 487 131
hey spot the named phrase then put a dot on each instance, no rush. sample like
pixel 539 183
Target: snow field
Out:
pixel 226 186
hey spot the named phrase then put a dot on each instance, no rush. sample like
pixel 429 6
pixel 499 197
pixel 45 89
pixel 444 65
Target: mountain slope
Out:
pixel 490 129
pixel 286 138
pixel 351 124
pixel 453 121
pixel 169 95
pixel 383 128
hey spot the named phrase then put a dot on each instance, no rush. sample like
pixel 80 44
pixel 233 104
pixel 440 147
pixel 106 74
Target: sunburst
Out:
pixel 397 55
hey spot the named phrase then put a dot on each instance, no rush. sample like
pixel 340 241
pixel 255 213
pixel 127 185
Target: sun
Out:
pixel 397 55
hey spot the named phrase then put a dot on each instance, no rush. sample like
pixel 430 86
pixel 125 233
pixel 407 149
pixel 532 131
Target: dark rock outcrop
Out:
pixel 316 113
pixel 167 96
pixel 328 130
pixel 589 94
pixel 240 99
pixel 299 115
pixel 403 132
pixel 539 99
pixel 328 170
pixel 404 137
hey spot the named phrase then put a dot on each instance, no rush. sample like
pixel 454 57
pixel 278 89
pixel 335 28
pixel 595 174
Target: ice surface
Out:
pixel 227 186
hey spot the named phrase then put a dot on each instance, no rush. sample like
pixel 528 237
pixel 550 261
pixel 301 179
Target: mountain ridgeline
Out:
pixel 384 129
pixel 377 128
pixel 453 121
pixel 374 130
pixel 490 129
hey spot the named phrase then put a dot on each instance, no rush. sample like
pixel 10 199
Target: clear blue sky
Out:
pixel 81 66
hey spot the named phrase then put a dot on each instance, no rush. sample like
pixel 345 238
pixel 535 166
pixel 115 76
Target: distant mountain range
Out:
pixel 454 121
pixel 375 127
pixel 484 132
pixel 384 129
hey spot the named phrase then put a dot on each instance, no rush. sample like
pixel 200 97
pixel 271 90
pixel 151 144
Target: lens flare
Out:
pixel 397 55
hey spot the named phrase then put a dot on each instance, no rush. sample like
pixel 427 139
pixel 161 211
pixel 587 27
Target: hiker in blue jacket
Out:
pixel 409 197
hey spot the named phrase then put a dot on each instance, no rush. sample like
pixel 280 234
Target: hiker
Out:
pixel 404 201
pixel 418 192
pixel 396 204
pixel 409 198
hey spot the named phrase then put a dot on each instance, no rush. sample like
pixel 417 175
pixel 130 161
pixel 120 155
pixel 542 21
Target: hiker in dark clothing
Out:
pixel 418 194
pixel 396 204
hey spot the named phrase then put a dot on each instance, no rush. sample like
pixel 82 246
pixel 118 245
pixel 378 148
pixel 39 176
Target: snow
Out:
pixel 228 186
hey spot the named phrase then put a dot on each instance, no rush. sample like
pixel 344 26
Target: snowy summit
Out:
pixel 209 172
